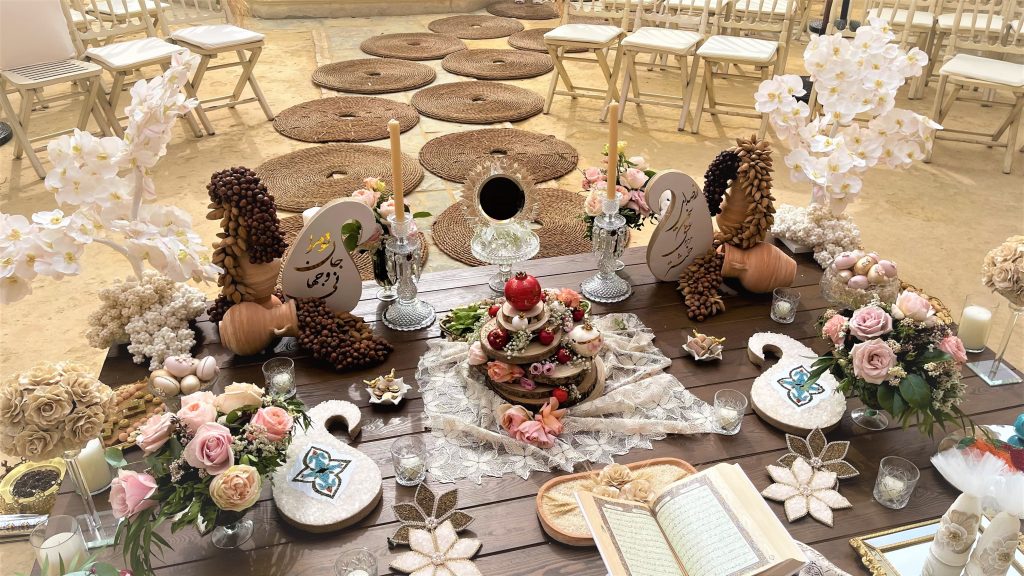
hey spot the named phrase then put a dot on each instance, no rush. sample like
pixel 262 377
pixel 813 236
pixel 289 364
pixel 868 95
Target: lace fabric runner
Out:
pixel 641 403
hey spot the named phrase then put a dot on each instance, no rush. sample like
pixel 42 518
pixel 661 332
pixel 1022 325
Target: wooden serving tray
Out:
pixel 568 526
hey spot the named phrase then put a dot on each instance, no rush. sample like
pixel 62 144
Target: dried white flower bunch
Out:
pixel 151 315
pixel 816 226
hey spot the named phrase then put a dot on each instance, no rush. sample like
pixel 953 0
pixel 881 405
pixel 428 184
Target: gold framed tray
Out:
pixel 902 551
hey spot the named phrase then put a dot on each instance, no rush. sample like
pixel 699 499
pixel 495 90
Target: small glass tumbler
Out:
pixel 58 541
pixel 729 408
pixel 976 321
pixel 356 562
pixel 897 478
pixel 409 456
pixel 279 373
pixel 784 303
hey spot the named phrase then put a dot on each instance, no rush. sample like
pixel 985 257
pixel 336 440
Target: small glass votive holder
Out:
pixel 897 478
pixel 729 408
pixel 279 374
pixel 409 457
pixel 976 321
pixel 784 303
pixel 58 542
pixel 356 562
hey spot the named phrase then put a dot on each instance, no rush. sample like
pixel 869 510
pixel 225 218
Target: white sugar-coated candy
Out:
pixel 207 369
pixel 859 282
pixel 166 385
pixel 844 261
pixel 190 384
pixel 888 268
pixel 180 366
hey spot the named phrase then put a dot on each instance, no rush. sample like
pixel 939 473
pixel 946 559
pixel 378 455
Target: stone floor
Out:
pixel 937 221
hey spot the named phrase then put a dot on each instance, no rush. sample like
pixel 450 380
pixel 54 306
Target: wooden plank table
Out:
pixel 506 521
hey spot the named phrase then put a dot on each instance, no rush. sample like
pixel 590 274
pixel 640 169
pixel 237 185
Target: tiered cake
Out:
pixel 538 344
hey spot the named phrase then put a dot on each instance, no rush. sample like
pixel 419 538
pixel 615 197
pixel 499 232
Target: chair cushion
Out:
pixel 584 33
pixel 737 49
pixel 946 21
pixel 921 19
pixel 131 54
pixel 985 69
pixel 779 8
pixel 662 40
pixel 714 4
pixel 129 7
pixel 214 36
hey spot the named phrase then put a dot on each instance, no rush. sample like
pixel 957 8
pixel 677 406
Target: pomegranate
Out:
pixel 577 314
pixel 493 310
pixel 546 337
pixel 523 291
pixel 497 338
pixel 561 395
pixel 563 356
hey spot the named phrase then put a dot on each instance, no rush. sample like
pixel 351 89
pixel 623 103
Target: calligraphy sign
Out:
pixel 319 265
pixel 684 229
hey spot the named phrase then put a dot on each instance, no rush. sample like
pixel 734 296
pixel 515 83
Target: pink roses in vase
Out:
pixel 899 358
pixel 205 465
pixel 633 175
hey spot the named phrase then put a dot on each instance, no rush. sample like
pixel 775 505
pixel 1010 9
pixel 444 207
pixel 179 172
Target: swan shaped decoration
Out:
pixel 684 229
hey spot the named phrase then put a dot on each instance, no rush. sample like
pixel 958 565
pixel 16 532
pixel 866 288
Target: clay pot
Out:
pixel 260 278
pixel 760 269
pixel 248 327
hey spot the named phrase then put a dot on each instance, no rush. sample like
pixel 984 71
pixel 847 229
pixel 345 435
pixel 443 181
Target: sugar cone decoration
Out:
pixel 957 532
pixel 996 547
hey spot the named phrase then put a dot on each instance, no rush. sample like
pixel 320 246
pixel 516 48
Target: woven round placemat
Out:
pixel 315 176
pixel 524 11
pixel 476 26
pixel 561 229
pixel 533 40
pixel 478 102
pixel 373 75
pixel 291 226
pixel 412 46
pixel 452 156
pixel 494 64
pixel 344 119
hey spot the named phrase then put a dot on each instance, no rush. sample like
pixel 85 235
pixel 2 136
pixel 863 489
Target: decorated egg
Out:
pixel 165 384
pixel 180 366
pixel 207 369
pixel 876 275
pixel 190 384
pixel 863 265
pixel 519 322
pixel 858 282
pixel 586 340
pixel 844 261
pixel 845 275
pixel 476 355
pixel 888 268
pixel 858 254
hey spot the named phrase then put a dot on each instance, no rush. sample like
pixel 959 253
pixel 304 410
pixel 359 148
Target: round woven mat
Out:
pixel 291 226
pixel 412 46
pixel 315 176
pixel 373 75
pixel 452 156
pixel 476 26
pixel 533 41
pixel 478 102
pixel 493 64
pixel 525 11
pixel 344 119
pixel 561 229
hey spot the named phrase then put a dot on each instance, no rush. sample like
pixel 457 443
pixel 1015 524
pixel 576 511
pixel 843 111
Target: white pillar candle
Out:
pixel 66 546
pixel 359 573
pixel 974 326
pixel 727 417
pixel 783 308
pixel 308 214
pixel 95 469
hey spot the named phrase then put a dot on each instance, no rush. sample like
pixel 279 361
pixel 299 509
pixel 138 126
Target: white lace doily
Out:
pixel 641 403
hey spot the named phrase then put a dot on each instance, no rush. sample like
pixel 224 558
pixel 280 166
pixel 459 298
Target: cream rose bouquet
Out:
pixel 633 174
pixel 205 466
pixel 51 409
pixel 899 358
pixel 1003 270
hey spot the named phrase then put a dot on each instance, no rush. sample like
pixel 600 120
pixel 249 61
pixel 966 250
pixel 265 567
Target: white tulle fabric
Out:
pixel 640 403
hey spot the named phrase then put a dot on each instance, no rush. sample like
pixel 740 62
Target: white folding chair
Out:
pixel 598 39
pixel 967 73
pixel 102 41
pixel 913 22
pixel 36 52
pixel 755 33
pixel 670 29
pixel 209 40
pixel 945 11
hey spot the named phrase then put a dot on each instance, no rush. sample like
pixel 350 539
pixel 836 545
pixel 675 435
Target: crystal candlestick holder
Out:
pixel 407 312
pixel 609 236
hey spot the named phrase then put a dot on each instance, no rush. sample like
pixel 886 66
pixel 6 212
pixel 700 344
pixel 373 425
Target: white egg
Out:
pixel 190 384
pixel 207 369
pixel 180 366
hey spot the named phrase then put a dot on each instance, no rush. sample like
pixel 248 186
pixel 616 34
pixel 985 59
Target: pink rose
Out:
pixel 366 197
pixel 593 174
pixel 197 409
pixel 512 416
pixel 953 346
pixel 870 322
pixel 532 432
pixel 277 421
pixel 375 184
pixel 633 178
pixel 210 449
pixel 387 209
pixel 872 361
pixel 569 297
pixel 551 417
pixel 237 489
pixel 833 329
pixel 913 306
pixel 638 202
pixel 502 372
pixel 130 492
pixel 155 432
pixel 592 205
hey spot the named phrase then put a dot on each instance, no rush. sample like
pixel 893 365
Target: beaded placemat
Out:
pixel 478 102
pixel 344 119
pixel 524 10
pixel 495 64
pixel 543 156
pixel 373 75
pixel 476 26
pixel 412 46
pixel 315 176
pixel 533 41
